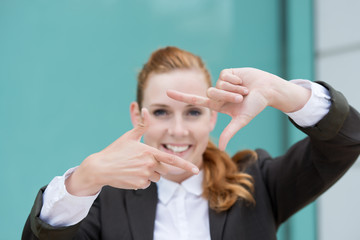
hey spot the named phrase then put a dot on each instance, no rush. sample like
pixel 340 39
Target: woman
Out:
pixel 154 190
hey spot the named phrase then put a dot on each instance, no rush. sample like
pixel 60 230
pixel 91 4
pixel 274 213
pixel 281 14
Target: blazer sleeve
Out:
pixel 35 228
pixel 314 164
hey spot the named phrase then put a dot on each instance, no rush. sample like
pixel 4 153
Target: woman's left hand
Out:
pixel 243 93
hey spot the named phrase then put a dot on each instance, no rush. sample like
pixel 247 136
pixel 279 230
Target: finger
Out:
pixel 230 76
pixel 137 132
pixel 189 98
pixel 219 95
pixel 233 127
pixel 232 87
pixel 145 116
pixel 155 177
pixel 146 185
pixel 161 169
pixel 195 100
pixel 176 161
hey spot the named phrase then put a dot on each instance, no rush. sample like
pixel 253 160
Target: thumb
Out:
pixel 137 132
pixel 233 127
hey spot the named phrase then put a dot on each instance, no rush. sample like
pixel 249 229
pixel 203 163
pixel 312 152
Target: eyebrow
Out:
pixel 167 106
pixel 158 105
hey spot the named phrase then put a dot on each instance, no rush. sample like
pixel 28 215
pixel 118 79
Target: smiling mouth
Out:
pixel 176 148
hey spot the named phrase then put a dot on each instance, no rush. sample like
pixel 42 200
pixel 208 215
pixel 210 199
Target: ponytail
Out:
pixel 224 182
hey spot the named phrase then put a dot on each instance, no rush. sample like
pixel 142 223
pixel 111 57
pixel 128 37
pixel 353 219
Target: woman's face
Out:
pixel 175 127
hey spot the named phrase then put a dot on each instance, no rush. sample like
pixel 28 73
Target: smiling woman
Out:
pixel 182 129
pixel 178 184
pixel 171 122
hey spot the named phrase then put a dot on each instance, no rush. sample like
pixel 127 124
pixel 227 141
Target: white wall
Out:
pixel 337 32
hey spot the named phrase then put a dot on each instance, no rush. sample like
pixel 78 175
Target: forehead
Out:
pixel 188 81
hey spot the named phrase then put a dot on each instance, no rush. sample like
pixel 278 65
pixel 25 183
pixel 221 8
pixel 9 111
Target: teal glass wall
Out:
pixel 68 70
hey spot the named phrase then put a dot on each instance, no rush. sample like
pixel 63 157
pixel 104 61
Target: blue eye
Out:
pixel 160 112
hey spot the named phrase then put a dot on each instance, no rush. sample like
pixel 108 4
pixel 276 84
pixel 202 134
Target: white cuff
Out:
pixel 60 208
pixel 317 106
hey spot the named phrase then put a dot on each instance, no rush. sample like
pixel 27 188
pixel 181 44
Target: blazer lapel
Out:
pixel 141 206
pixel 217 223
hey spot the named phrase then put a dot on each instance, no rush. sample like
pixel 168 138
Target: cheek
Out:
pixel 203 143
pixel 201 133
pixel 202 128
pixel 153 133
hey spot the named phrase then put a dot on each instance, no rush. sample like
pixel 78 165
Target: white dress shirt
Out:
pixel 182 213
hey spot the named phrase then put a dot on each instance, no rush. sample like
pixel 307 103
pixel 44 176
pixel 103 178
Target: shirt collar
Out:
pixel 167 188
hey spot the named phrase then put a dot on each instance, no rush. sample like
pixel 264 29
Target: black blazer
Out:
pixel 283 185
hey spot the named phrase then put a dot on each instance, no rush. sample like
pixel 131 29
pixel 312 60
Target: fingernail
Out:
pixel 142 112
pixel 195 170
pixel 246 91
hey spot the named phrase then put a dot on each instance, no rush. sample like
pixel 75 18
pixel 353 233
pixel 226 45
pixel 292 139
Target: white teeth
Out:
pixel 177 148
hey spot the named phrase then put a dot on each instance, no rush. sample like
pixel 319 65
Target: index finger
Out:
pixel 229 75
pixel 189 98
pixel 175 161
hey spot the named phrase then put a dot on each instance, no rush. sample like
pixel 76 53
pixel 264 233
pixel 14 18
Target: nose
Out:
pixel 178 127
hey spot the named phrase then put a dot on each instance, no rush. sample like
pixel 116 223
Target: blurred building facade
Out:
pixel 337 48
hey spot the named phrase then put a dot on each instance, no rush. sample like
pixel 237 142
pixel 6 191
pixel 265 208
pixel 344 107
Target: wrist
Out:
pixel 83 181
pixel 289 97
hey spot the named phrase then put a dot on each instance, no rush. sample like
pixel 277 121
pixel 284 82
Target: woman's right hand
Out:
pixel 126 163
